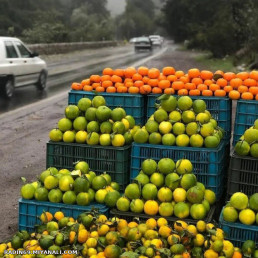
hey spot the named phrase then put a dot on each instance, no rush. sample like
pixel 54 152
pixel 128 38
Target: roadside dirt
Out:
pixel 23 140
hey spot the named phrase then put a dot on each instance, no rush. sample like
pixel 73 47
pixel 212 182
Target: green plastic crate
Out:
pixel 113 160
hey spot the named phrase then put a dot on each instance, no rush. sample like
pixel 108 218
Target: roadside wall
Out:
pixel 58 48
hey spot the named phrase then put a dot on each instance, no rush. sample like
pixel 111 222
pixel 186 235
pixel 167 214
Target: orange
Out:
pixel 250 82
pixel 171 78
pixel 111 89
pixel 142 70
pixel 184 79
pixel 138 84
pixel 183 92
pixel 145 79
pixel 202 87
pixel 206 75
pixel 134 90
pixel 220 93
pixel 256 97
pixel 207 93
pixel 178 85
pixel 254 75
pixel 179 74
pixel 122 89
pixel 129 72
pixel 229 76
pixel 116 78
pixel 105 78
pixel 242 89
pixel 156 90
pixel 119 72
pixel 107 71
pixel 119 84
pixel 87 88
pixel 95 85
pixel 242 75
pixel 195 92
pixel 163 84
pixel 153 73
pixel 190 86
pixel 214 87
pixel 228 88
pixel 100 89
pixel 194 73
pixel 253 90
pixel 197 81
pixel 169 91
pixel 247 95
pixel 168 70
pixel 219 72
pixel 137 77
pixel 236 82
pixel 145 89
pixel 85 82
pixel 208 82
pixel 129 84
pixel 222 82
pixel 77 86
pixel 153 82
pixel 106 84
pixel 162 77
pixel 234 94
pixel 95 78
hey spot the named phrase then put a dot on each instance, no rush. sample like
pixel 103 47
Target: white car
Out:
pixel 19 67
pixel 156 40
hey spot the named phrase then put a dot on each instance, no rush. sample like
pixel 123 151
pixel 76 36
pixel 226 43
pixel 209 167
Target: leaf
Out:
pixel 129 254
pixel 76 173
pixel 163 97
pixel 23 179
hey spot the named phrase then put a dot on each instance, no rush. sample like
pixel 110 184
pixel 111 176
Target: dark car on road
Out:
pixel 142 43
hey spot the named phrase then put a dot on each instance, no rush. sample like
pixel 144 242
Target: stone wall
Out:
pixel 58 48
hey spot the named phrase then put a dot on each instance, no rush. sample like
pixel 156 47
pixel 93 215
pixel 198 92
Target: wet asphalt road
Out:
pixel 67 68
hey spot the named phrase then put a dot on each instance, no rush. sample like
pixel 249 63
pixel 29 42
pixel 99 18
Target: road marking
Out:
pixel 30 108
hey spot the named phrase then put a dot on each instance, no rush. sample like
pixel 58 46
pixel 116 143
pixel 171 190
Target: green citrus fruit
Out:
pixel 155 138
pixel 166 166
pixel 192 128
pixel 55 135
pixel 168 139
pixel 71 112
pixel 165 194
pixel 111 198
pixel 178 128
pixel 149 192
pixel 242 148
pixel 80 185
pixel 65 124
pixel 142 178
pixel 98 101
pixel 182 140
pixel 93 138
pixel 105 139
pixel 83 166
pixel 184 103
pixel 27 191
pixel 98 182
pixel 188 116
pixel 132 191
pixel 169 104
pixel 198 211
pixel 103 113
pixel 69 197
pixel 69 136
pixel 174 116
pixel 184 166
pixel 239 201
pixel 181 210
pixel 211 142
pixel 84 104
pixel 106 127
pixel 172 181
pixel 50 182
pixel 41 194
pixel 131 121
pixel 90 114
pixel 165 127
pixel 157 179
pixel 55 195
pixel 118 114
pixel 123 204
pixel 254 150
pixel 195 195
pixel 137 206
pixel 166 209
pixel 188 181
pixel 199 106
pixel 79 123
pixel 247 216
pixel 66 183
pixel 83 199
pixel 253 201
pixel 160 115
pixel 149 166
pixel 81 137
pixel 196 141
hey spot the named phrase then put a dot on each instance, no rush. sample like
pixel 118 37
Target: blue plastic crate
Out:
pixel 220 109
pixel 208 163
pixel 133 104
pixel 246 114
pixel 113 160
pixel 30 210
pixel 237 232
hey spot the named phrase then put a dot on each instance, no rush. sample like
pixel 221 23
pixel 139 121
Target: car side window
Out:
pixel 23 50
pixel 10 50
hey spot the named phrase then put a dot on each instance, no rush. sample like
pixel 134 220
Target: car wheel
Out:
pixel 8 88
pixel 42 81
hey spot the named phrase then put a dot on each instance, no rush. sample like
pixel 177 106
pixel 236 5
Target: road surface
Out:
pixel 24 130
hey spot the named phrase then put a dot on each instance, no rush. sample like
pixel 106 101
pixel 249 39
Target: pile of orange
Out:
pixel 170 81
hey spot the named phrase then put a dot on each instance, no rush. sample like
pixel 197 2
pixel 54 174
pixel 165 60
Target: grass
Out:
pixel 213 64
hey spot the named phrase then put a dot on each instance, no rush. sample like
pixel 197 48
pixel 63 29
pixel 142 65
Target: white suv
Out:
pixel 19 67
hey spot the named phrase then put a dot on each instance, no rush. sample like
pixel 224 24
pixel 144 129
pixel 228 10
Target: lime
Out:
pixel 103 113
pixel 174 116
pixel 55 195
pixel 239 201
pixel 128 138
pixel 123 204
pixel 149 166
pixel 168 139
pixel 131 121
pixel 188 116
pixel 230 214
pixel 83 166
pixel 192 128
pixel 98 182
pixel 251 135
pixel 157 179
pixel 51 182
pixel 149 192
pixel 118 127
pixel 83 104
pixel 254 150
pixel 172 181
pixel 188 181
pixel 71 112
pixel 184 103
pixel 199 106
pixel 93 126
pixel 253 201
pixel 118 114
pixel 132 191
pixel 41 194
pixel 98 101
pixel 106 127
pixel 166 209
pixel 55 135
pixel 69 197
pixel 111 198
pixel 166 166
pixel 155 138
pixel 90 114
pixel 196 141
pixel 83 199
pixel 79 123
pixel 181 210
pixel 141 136
pixel 27 191
pixel 211 142
pixel 92 138
pixel 182 140
pixel 168 103
pixel 137 206
pixel 242 148
pixel 184 166
pixel 65 124
pixel 165 194
pixel 202 118
pixel 81 184
pixel 160 115
pixel 178 128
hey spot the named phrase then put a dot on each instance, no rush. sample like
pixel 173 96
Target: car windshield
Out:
pixel 141 39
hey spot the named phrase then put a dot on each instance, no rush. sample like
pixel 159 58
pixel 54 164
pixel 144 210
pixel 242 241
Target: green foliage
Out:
pixel 222 27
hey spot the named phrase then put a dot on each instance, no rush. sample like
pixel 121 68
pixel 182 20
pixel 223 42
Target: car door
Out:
pixel 31 70
pixel 13 62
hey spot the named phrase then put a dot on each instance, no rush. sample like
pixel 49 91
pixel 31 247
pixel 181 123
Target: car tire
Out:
pixel 8 88
pixel 42 81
